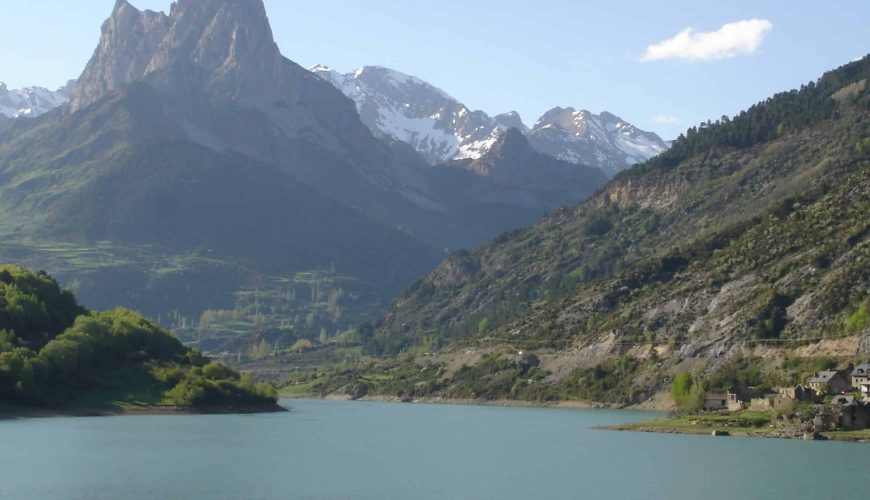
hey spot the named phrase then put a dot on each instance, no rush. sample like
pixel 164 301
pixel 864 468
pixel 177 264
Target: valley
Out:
pixel 491 251
pixel 291 222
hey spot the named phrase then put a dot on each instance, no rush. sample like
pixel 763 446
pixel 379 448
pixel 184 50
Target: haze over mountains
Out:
pixel 441 128
pixel 195 167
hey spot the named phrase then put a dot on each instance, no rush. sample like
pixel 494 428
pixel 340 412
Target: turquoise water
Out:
pixel 325 449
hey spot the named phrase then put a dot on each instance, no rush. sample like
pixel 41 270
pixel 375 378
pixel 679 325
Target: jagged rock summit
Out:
pixel 229 43
pixel 221 49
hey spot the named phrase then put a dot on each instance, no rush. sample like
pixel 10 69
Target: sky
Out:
pixel 663 66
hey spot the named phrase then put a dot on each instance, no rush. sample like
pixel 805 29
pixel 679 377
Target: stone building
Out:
pixel 829 382
pixel 716 401
pixel 861 375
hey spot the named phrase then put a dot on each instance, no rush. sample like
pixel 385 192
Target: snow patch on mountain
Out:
pixel 604 141
pixel 440 128
pixel 411 110
pixel 30 102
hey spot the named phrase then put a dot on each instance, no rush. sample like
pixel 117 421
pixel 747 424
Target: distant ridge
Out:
pixel 440 128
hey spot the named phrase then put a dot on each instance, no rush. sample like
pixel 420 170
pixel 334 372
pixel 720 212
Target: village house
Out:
pixel 861 375
pixel 734 402
pixel 829 382
pixel 716 401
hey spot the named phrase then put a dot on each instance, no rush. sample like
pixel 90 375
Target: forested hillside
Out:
pixel 55 354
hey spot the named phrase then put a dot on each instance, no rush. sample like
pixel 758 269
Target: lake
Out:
pixel 329 449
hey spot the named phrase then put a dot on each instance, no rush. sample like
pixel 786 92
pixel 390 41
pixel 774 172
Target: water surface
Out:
pixel 326 449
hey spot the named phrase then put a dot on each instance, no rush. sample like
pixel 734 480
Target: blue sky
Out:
pixel 514 54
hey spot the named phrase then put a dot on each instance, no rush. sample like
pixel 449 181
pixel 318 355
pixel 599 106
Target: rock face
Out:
pixel 440 128
pixel 604 141
pixel 224 50
pixel 31 102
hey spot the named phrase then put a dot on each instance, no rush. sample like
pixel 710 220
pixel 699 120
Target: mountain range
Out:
pixel 30 102
pixel 195 172
pixel 401 107
pixel 440 128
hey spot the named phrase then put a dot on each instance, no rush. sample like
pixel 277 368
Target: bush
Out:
pixel 858 320
pixel 196 390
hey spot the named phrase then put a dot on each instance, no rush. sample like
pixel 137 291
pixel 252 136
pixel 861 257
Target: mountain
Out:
pixel 604 141
pixel 748 234
pixel 198 175
pixel 31 102
pixel 440 128
pixel 195 164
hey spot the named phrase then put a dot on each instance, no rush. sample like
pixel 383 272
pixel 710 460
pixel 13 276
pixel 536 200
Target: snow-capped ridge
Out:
pixel 605 140
pixel 30 102
pixel 406 108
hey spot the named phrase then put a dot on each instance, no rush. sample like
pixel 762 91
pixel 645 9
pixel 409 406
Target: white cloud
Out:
pixel 742 37
pixel 665 119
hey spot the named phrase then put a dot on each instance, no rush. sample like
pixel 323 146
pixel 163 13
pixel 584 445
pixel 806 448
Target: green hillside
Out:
pixel 752 227
pixel 54 354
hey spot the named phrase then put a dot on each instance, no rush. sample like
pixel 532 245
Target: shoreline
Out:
pixel 577 405
pixel 755 433
pixel 557 404
pixel 23 412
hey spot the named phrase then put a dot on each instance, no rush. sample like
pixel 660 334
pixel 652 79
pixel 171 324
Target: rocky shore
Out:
pixel 767 433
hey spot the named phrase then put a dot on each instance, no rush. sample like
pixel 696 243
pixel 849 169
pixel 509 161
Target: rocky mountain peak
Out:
pixel 217 35
pixel 604 141
pixel 128 40
pixel 511 119
pixel 568 119
pixel 226 44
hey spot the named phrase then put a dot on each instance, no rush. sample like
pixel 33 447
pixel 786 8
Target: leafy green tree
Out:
pixel 688 392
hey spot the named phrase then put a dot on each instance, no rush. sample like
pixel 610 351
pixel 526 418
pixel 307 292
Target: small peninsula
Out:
pixel 57 358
